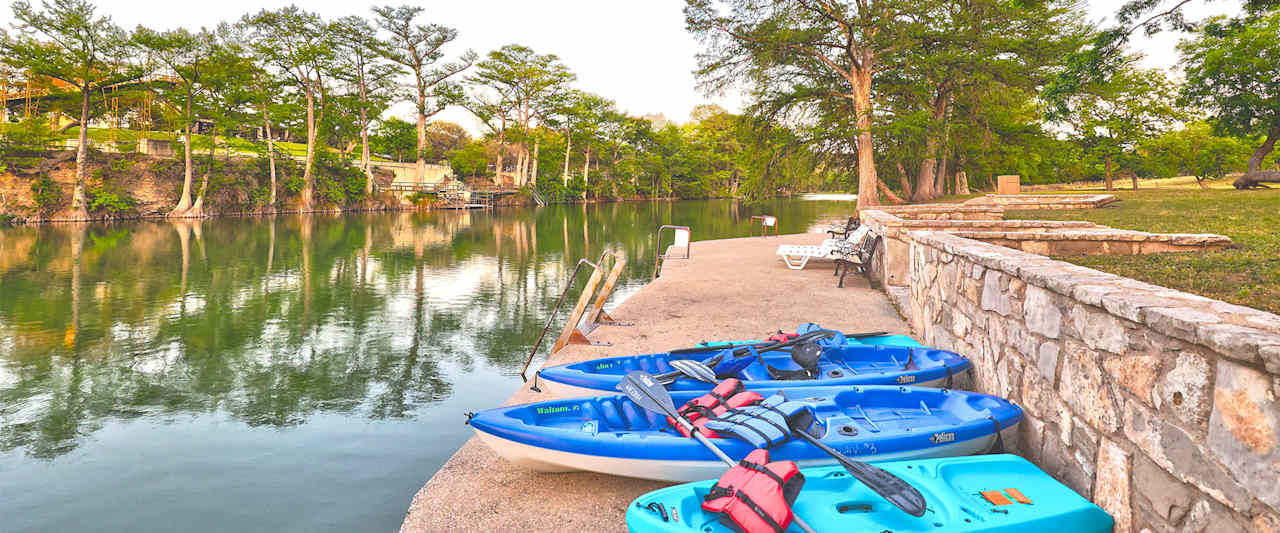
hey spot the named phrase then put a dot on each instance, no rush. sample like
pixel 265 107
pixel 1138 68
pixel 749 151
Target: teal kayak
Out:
pixel 849 339
pixel 984 493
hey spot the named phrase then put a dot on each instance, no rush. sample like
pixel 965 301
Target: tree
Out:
pixel 227 96
pixel 1233 73
pixel 1105 54
pixel 470 160
pixel 533 84
pixel 444 138
pixel 1196 151
pixel 395 138
pixel 419 48
pixel 799 52
pixel 67 41
pixel 360 54
pixel 184 54
pixel 1115 115
pixel 297 44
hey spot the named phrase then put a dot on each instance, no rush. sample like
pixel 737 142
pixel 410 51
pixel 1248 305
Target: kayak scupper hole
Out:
pixel 848 430
pixel 835 373
pixel 937 524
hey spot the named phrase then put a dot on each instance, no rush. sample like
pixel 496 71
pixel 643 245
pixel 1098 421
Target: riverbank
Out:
pixel 730 288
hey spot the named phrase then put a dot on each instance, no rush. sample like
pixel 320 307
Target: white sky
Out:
pixel 635 52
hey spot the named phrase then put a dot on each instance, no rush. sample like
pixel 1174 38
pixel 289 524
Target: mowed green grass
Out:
pixel 1247 275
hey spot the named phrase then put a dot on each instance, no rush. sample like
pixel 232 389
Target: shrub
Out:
pixel 103 200
pixel 46 193
pixel 337 180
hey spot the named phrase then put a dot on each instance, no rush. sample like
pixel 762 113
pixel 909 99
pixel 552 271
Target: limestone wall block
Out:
pixel 1111 488
pixel 1244 429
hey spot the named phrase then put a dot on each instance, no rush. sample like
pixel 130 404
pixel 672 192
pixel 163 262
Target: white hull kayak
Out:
pixel 549 460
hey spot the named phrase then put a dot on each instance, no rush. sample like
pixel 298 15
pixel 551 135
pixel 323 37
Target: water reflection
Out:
pixel 272 322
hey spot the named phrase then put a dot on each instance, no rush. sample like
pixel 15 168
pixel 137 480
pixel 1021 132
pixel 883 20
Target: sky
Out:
pixel 635 52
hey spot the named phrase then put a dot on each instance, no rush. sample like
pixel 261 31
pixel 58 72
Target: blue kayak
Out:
pixel 983 494
pixel 839 366
pixel 611 435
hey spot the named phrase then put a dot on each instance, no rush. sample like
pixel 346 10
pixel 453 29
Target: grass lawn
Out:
pixel 1248 275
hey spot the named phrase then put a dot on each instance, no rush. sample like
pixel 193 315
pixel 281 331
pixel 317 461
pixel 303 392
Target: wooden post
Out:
pixel 570 332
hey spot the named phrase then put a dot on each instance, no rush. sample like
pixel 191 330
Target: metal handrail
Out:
pixel 538 344
pixel 657 245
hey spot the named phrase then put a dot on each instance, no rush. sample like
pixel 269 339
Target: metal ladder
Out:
pixel 576 329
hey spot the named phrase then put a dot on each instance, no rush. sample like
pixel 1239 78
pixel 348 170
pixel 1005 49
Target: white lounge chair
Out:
pixel 796 256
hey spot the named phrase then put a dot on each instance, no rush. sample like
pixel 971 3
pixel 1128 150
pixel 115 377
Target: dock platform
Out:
pixel 728 289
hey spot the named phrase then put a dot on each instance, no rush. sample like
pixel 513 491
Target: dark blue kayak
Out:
pixel 983 494
pixel 612 435
pixel 839 366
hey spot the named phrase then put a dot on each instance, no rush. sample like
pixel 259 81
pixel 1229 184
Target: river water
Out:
pixel 296 373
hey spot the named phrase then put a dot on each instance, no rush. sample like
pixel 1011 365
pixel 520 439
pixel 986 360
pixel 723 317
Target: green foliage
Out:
pixel 470 160
pixel 46 193
pixel 1194 150
pixel 33 131
pixel 1233 73
pixel 395 138
pixel 337 180
pixel 113 202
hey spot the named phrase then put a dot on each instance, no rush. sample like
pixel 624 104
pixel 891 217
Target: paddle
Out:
pixel 646 392
pixel 687 367
pixel 891 487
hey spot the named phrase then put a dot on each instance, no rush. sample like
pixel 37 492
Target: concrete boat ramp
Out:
pixel 728 289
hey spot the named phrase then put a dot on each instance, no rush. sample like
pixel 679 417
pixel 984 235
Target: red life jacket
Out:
pixel 730 393
pixel 756 496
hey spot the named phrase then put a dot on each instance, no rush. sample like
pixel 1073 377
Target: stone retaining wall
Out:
pixel 944 211
pixel 1043 201
pixel 1159 406
pixel 1046 237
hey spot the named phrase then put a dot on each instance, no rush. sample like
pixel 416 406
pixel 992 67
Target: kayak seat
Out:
pixel 755 372
pixel 622 415
pixel 648 364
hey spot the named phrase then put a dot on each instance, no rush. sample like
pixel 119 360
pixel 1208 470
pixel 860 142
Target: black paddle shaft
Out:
pixel 898 492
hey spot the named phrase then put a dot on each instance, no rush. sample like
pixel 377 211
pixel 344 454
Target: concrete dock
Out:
pixel 728 289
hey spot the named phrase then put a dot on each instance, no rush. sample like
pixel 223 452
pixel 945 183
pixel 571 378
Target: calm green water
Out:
pixel 299 373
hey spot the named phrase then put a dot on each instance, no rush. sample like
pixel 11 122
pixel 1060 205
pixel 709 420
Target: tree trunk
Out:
pixel 867 179
pixel 502 151
pixel 533 163
pixel 364 143
pixel 184 200
pixel 1134 177
pixel 889 194
pixel 79 205
pixel 568 143
pixel 940 183
pixel 1255 179
pixel 271 154
pixel 905 182
pixel 422 142
pixel 962 182
pixel 1108 173
pixel 1255 160
pixel 308 181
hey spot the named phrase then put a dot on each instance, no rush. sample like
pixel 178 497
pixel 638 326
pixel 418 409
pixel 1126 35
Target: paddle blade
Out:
pixel 807 355
pixel 648 393
pixel 694 369
pixel 892 488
